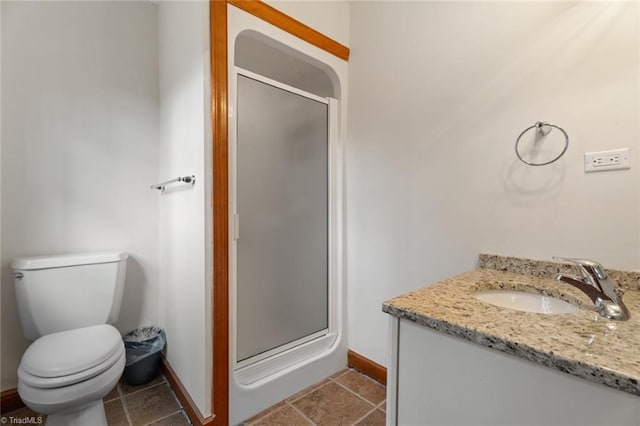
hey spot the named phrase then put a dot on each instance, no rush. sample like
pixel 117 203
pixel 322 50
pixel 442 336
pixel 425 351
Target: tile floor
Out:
pixel 346 398
pixel 151 404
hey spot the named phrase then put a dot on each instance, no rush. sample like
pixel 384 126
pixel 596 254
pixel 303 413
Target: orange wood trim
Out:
pixel 187 403
pixel 220 199
pixel 292 26
pixel 364 365
pixel 10 400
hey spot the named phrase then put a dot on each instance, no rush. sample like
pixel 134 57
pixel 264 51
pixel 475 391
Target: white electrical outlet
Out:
pixel 606 160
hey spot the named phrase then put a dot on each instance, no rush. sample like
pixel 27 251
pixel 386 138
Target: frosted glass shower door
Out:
pixel 282 203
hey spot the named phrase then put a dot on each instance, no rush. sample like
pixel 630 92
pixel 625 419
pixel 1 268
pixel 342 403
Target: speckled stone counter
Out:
pixel 582 344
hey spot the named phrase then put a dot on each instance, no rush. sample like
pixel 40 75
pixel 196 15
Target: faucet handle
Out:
pixel 606 297
pixel 589 268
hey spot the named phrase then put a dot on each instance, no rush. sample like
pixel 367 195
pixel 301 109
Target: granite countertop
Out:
pixel 582 344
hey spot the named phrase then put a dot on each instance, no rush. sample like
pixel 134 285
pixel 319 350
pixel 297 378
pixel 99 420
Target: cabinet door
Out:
pixel 445 380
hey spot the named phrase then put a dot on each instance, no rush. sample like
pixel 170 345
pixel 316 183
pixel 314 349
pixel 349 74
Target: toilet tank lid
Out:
pixel 62 260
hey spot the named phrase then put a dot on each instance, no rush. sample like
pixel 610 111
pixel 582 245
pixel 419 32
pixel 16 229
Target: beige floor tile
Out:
pixel 112 395
pixel 370 390
pixel 265 413
pixel 307 391
pixel 339 373
pixel 383 406
pixel 177 419
pixel 126 388
pixel 285 416
pixel 151 404
pixel 115 413
pixel 377 418
pixel 333 405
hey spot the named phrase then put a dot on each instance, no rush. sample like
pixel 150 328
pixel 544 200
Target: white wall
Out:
pixel 185 211
pixel 79 145
pixel 439 92
pixel 331 18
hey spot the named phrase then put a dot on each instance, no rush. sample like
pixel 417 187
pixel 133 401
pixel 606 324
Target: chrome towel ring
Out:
pixel 540 130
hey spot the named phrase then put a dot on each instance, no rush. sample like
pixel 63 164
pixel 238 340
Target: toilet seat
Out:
pixel 73 397
pixel 69 357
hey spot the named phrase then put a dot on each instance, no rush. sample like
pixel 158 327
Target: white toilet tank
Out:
pixel 65 292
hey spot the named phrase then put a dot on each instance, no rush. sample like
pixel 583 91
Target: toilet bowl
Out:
pixel 65 375
pixel 66 303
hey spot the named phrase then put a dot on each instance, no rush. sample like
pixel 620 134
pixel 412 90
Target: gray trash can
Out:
pixel 143 347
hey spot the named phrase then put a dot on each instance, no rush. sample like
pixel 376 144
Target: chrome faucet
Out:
pixel 595 284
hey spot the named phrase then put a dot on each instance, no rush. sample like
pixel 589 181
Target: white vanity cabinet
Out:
pixel 438 379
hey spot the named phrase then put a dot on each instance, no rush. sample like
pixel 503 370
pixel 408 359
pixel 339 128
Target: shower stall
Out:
pixel 285 233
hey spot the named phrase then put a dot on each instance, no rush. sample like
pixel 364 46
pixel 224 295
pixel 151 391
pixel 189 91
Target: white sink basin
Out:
pixel 527 302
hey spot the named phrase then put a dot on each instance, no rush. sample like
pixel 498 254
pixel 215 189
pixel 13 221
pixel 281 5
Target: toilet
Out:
pixel 66 305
